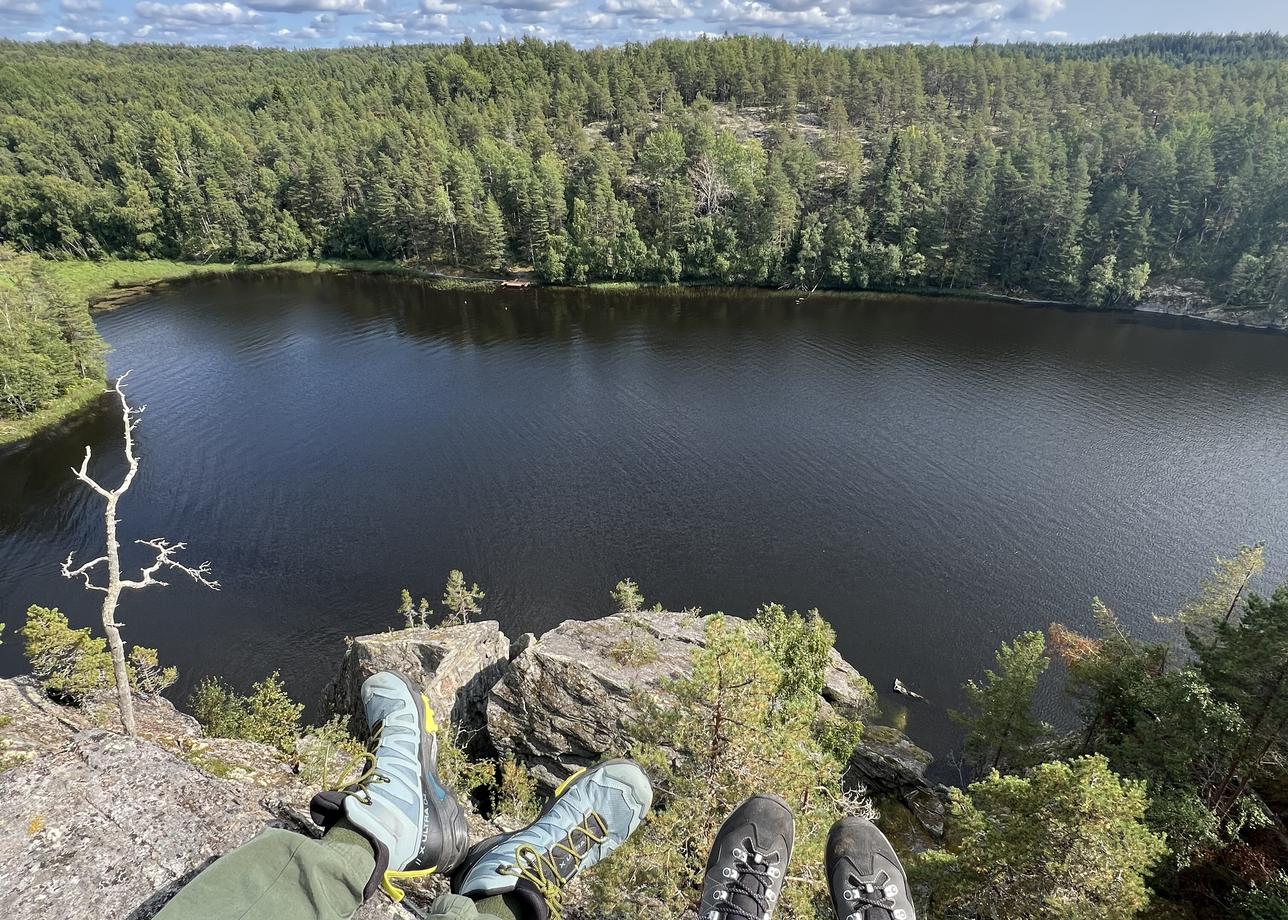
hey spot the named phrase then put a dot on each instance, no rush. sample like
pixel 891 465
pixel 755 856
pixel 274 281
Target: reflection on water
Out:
pixel 934 475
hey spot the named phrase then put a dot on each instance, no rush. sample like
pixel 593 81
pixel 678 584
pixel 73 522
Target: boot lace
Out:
pixel 368 772
pixel 877 893
pixel 752 875
pixel 543 870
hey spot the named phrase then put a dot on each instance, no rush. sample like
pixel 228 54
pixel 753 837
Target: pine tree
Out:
pixel 1246 664
pixel 1001 730
pixel 461 602
pixel 1045 847
pixel 717 736
pixel 1219 595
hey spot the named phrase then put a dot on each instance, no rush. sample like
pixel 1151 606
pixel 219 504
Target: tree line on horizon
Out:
pixel 1073 172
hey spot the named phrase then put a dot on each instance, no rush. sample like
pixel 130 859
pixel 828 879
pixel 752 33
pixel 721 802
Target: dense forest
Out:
pixel 1079 172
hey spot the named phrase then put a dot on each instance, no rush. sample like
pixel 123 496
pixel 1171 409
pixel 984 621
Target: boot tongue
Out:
pixel 751 878
pixel 566 862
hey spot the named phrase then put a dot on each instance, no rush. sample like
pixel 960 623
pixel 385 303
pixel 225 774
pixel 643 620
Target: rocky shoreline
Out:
pixel 1186 298
pixel 92 821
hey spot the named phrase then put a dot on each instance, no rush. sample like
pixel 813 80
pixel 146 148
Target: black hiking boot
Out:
pixel 864 874
pixel 748 861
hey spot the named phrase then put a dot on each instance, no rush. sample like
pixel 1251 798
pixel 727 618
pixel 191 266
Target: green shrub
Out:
pixel 1067 842
pixel 70 664
pixel 516 790
pixel 218 708
pixel 722 736
pixel 267 715
pixel 455 769
pixel 801 646
pixel 328 756
pixel 146 673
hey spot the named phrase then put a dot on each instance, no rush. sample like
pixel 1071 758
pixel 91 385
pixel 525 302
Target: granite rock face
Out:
pixel 570 697
pixel 455 666
pixel 35 723
pixel 887 763
pixel 93 823
pixel 846 691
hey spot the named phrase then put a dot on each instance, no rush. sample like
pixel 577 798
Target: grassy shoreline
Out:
pixel 14 431
pixel 111 283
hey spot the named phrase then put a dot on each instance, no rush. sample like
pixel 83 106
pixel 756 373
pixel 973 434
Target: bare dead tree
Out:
pixel 710 187
pixel 165 552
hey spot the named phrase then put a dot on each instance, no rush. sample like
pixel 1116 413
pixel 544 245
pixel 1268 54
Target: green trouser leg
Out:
pixel 462 908
pixel 280 875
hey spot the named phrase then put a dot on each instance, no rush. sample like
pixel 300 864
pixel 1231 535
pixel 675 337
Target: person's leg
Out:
pixel 393 823
pixel 280 875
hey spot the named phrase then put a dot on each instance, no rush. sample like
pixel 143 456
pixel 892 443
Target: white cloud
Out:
pixel 1036 10
pixel 21 7
pixel 58 34
pixel 535 6
pixel 343 7
pixel 211 14
pixel 81 6
pixel 438 6
pixel 649 10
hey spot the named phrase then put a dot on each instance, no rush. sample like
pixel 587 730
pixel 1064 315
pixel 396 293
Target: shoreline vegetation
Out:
pixel 1146 168
pixel 108 284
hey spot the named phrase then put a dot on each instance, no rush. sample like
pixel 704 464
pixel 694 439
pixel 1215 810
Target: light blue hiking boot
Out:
pixel 592 813
pixel 416 825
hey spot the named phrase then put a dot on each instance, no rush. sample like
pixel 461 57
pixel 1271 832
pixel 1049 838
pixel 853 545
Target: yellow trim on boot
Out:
pixel 430 725
pixel 395 893
pixel 563 787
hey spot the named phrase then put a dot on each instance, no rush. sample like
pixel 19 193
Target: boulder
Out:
pixel 456 666
pixel 848 692
pixel 570 697
pixel 34 723
pixel 888 764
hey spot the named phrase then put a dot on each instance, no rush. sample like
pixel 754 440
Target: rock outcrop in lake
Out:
pixel 94 822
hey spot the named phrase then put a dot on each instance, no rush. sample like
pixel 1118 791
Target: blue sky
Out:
pixel 314 23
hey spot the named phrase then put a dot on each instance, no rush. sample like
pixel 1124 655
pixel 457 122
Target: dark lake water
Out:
pixel 935 476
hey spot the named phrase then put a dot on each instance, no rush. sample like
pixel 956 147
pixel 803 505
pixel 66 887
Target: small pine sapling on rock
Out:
pixel 632 649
